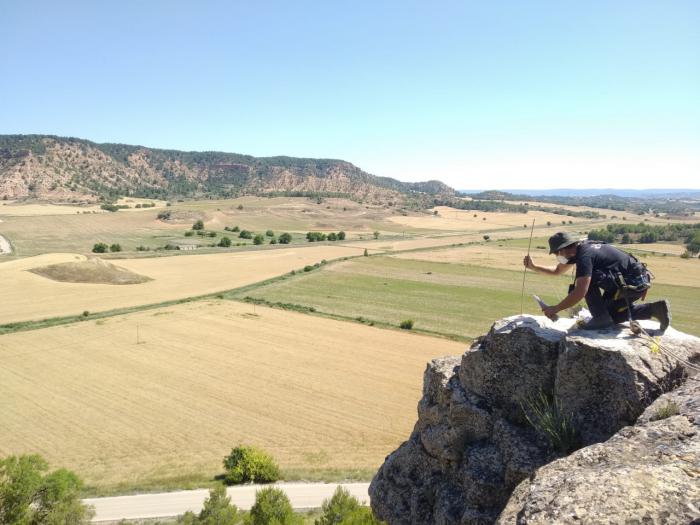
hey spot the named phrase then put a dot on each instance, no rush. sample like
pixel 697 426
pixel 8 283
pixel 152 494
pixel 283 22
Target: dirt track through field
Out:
pixel 206 376
pixel 27 296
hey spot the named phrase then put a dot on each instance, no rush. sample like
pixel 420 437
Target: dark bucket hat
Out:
pixel 560 240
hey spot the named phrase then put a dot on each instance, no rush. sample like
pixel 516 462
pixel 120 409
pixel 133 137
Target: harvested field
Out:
pixel 15 209
pixel 28 296
pixel 316 393
pixel 465 220
pixel 95 271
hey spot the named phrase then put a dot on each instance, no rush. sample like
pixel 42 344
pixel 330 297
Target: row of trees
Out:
pixel 319 236
pixel 272 507
pixel 650 233
pixel 30 495
pixel 101 247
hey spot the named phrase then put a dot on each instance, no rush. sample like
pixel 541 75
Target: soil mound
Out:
pixel 93 271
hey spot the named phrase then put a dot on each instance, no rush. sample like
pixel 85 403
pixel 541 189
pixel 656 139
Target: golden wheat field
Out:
pixel 27 296
pixel 469 220
pixel 316 393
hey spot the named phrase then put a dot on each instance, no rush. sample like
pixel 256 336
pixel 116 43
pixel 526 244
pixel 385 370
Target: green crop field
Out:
pixel 456 300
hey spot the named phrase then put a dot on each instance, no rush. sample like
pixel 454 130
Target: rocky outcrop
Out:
pixel 473 442
pixel 647 473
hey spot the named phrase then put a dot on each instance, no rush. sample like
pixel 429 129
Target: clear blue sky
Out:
pixel 477 94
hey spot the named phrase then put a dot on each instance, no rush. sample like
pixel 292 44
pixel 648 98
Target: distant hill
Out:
pixel 71 169
pixel 630 193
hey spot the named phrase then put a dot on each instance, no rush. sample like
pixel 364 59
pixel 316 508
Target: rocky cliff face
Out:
pixel 474 441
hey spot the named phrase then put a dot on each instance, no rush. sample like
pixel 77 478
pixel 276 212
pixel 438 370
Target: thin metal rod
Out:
pixel 529 244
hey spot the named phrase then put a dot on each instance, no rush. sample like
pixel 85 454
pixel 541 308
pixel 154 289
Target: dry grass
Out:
pixel 95 271
pixel 316 393
pixel 11 208
pixel 464 220
pixel 27 296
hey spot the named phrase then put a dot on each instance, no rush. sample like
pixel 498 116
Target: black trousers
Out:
pixel 601 303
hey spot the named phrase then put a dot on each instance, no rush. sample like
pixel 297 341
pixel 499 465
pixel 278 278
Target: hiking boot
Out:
pixel 661 311
pixel 598 323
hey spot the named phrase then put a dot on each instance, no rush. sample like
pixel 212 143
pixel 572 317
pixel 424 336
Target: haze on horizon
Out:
pixel 520 95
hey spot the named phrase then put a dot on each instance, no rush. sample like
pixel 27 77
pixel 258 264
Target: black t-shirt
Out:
pixel 595 257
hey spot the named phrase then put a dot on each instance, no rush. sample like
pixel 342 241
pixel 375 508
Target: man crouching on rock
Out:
pixel 600 266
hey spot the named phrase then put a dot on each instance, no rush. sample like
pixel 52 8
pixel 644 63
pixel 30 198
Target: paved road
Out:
pixel 142 506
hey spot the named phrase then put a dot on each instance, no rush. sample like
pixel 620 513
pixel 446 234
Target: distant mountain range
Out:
pixel 70 169
pixel 686 193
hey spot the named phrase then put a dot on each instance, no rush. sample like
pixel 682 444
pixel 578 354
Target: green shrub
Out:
pixel 285 238
pixel 547 417
pixel 341 236
pixel 272 507
pixel 235 229
pixel 407 324
pixel 142 248
pixel 258 239
pixel 163 215
pixel 365 253
pixel 115 248
pixel 217 510
pixel 332 236
pixel 189 233
pixel 273 241
pixel 245 464
pixel 198 225
pixel 270 233
pixel 225 242
pixel 308 268
pixel 245 234
pixel 339 506
pixel 360 516
pixel 211 234
pixel 376 235
pixel 315 236
pixel 100 247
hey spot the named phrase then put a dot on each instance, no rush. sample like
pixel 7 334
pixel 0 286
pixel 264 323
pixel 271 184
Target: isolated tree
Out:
pixel 198 225
pixel 225 242
pixel 285 238
pixel 258 239
pixel 341 236
pixel 240 206
pixel 486 237
pixel 30 497
pixel 272 506
pixel 100 247
pixel 246 463
pixel 376 235
pixel 115 248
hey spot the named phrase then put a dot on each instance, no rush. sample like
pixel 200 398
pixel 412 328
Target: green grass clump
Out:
pixel 548 418
pixel 666 411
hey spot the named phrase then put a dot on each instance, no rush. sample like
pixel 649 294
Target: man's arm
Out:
pixel 557 270
pixel 578 293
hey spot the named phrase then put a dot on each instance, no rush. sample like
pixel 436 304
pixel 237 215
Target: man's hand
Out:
pixel 550 311
pixel 527 262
